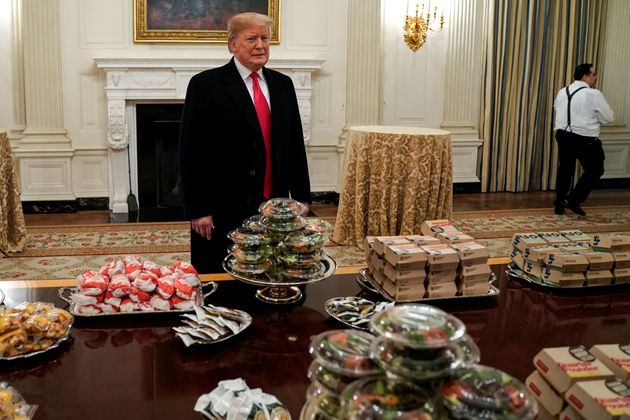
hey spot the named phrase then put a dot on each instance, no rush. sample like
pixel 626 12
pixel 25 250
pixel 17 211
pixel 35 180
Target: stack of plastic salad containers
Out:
pixel 340 357
pixel 279 241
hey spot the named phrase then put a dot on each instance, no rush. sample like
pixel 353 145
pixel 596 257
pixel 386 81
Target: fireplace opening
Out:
pixel 159 189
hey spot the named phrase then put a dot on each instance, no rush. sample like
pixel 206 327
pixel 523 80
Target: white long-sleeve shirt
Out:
pixel 589 110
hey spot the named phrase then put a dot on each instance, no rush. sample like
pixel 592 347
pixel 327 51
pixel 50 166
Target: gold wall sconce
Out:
pixel 416 27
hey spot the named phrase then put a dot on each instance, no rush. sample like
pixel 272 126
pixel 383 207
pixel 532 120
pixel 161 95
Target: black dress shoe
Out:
pixel 558 207
pixel 575 208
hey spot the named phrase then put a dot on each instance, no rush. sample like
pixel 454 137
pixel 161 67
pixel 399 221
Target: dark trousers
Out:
pixel 589 151
pixel 206 256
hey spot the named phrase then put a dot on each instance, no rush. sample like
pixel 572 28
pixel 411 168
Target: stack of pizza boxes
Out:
pixel 576 383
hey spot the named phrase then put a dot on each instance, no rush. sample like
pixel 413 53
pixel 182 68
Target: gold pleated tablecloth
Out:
pixel 394 179
pixel 12 226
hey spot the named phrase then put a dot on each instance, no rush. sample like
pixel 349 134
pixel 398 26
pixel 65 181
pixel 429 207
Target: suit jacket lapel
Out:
pixel 238 91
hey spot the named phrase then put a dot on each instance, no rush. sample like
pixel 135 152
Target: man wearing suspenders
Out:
pixel 580 110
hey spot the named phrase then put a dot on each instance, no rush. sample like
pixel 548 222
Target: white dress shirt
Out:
pixel 246 75
pixel 589 110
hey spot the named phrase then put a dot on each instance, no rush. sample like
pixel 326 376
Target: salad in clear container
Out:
pixel 418 326
pixel 283 226
pixel 423 364
pixel 346 352
pixel 308 273
pixel 485 392
pixel 328 380
pixel 281 209
pixel 251 256
pixel 245 268
pixel 248 238
pixel 378 398
pixel 303 242
pixel 321 406
pixel 300 260
pixel 318 225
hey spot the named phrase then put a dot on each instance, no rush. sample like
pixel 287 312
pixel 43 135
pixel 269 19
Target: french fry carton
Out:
pixel 621 275
pixel 406 292
pixel 453 237
pixel 563 366
pixel 576 236
pixel 622 259
pixel 616 357
pixel 406 256
pixel 441 257
pixel 380 242
pixel 475 273
pixel 533 269
pixel 448 276
pixel 567 262
pixel 433 227
pixel 524 240
pixel 538 253
pixel 546 396
pixel 553 237
pixel 474 288
pixel 404 276
pixel 569 413
pixel 441 289
pixel 603 399
pixel 471 253
pixel 578 247
pixel 598 277
pixel 422 240
pixel 611 243
pixel 599 260
pixel 563 279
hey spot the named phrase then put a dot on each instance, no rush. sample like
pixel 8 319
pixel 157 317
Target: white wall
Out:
pixel 6 93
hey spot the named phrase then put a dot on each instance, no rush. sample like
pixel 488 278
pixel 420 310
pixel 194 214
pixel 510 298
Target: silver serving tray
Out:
pixel 212 286
pixel 247 322
pixel 330 304
pixel 514 271
pixel 267 279
pixel 494 291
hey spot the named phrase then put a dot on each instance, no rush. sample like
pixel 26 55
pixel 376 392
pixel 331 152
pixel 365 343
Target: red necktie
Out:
pixel 264 118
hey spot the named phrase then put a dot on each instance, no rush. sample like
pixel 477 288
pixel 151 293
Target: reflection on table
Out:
pixel 134 367
pixel 12 226
pixel 394 179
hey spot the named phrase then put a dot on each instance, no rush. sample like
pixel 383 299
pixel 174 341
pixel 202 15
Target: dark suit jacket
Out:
pixel 222 152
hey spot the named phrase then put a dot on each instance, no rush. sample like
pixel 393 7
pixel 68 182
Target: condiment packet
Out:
pixel 12 405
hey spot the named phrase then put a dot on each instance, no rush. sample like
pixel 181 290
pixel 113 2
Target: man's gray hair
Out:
pixel 242 21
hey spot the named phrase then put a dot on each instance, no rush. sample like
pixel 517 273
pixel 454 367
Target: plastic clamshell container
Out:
pixel 385 398
pixel 254 224
pixel 303 242
pixel 308 273
pixel 328 380
pixel 283 226
pixel 346 352
pixel 418 326
pixel 318 225
pixel 281 209
pixel 485 392
pixel 247 238
pixel 320 406
pixel 257 255
pixel 423 364
pixel 245 268
pixel 300 260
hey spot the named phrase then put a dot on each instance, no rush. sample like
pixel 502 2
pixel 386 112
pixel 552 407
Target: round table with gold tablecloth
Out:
pixel 12 226
pixel 394 179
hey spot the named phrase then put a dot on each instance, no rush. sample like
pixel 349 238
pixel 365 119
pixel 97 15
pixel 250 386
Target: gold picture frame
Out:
pixel 189 21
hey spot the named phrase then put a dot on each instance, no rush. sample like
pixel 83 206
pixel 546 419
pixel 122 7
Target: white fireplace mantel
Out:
pixel 146 80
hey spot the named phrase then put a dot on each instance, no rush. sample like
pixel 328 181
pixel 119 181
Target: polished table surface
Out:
pixel 133 366
pixel 12 226
pixel 394 179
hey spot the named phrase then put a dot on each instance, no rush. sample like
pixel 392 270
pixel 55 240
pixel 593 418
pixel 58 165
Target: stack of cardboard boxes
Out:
pixel 572 258
pixel 442 262
pixel 575 383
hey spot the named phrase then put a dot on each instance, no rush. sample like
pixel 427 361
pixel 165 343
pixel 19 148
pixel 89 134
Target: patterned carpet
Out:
pixel 58 252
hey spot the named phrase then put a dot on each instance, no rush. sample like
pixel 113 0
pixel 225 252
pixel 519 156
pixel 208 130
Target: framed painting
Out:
pixel 176 21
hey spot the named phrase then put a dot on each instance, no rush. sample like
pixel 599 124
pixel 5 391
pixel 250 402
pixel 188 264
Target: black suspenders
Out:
pixel 570 96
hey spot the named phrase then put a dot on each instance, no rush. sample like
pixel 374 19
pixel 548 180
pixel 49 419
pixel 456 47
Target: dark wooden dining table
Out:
pixel 133 366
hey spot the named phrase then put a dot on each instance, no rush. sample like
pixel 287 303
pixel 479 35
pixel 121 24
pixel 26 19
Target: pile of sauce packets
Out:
pixel 211 324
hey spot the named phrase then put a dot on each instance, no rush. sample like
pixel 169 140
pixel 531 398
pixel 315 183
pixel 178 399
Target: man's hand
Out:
pixel 203 226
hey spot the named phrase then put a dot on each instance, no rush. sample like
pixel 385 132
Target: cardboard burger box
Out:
pixel 611 243
pixel 448 276
pixel 376 263
pixel 422 240
pixel 543 414
pixel 553 237
pixel 379 277
pixel 577 247
pixel 471 253
pixel 441 257
pixel 603 399
pixel 435 290
pixel 380 242
pixel 453 237
pixel 599 260
pixel 368 246
pixel 406 256
pixel 576 236
pixel 404 277
pixel 621 275
pixel 475 273
pixel 433 227
pixel 622 259
pixel 598 277
pixel 538 253
pixel 563 366
pixel 403 292
pixel 616 357
pixel 546 396
pixel 476 288
pixel 569 413
pixel 563 279
pixel 533 269
pixel 567 262
pixel 524 240
pixel 518 259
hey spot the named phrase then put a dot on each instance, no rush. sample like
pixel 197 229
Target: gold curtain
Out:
pixel 531 51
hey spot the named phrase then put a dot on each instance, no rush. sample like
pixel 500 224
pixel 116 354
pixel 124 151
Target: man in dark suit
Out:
pixel 240 143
